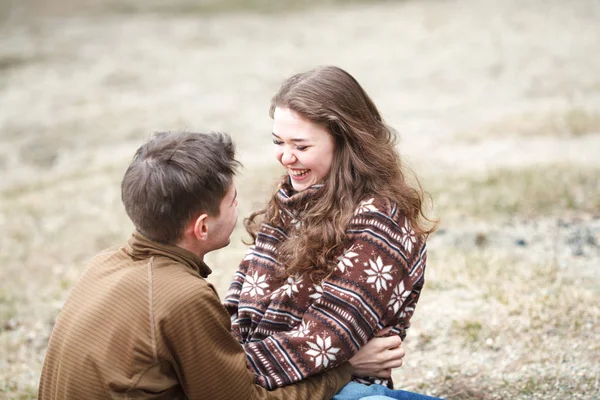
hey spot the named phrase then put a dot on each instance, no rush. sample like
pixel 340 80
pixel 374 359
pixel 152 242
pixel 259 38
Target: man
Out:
pixel 142 322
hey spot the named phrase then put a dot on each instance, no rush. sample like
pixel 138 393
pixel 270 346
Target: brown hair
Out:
pixel 365 163
pixel 174 177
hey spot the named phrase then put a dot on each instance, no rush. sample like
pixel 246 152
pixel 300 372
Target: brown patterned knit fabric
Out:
pixel 142 323
pixel 295 328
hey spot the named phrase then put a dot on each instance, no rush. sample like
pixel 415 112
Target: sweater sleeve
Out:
pixel 232 298
pixel 211 364
pixel 376 283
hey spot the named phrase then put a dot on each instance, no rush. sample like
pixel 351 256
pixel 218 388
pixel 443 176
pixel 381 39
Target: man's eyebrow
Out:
pixel 295 140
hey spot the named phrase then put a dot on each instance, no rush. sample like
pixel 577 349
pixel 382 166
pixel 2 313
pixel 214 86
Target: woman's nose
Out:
pixel 288 157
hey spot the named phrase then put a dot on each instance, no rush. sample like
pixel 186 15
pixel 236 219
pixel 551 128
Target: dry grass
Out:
pixel 8 62
pixel 217 6
pixel 568 123
pixel 29 9
pixel 520 327
pixel 530 192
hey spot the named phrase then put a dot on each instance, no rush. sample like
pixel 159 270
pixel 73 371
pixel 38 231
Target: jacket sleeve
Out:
pixel 376 283
pixel 211 364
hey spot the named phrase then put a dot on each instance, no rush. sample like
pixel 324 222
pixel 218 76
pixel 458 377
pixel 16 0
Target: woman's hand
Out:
pixel 378 357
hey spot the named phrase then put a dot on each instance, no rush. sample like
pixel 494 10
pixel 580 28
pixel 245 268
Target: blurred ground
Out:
pixel 497 104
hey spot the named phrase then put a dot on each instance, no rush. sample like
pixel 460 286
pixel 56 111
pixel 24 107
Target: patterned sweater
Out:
pixel 296 328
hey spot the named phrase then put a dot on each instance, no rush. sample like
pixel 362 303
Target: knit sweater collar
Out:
pixel 139 246
pixel 292 200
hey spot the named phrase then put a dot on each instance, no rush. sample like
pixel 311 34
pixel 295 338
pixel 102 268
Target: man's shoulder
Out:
pixel 179 298
pixel 181 285
pixel 106 254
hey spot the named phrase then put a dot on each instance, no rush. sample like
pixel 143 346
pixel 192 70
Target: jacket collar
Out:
pixel 139 246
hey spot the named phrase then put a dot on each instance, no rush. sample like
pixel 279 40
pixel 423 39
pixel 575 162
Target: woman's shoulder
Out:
pixel 379 220
pixel 377 205
pixel 380 212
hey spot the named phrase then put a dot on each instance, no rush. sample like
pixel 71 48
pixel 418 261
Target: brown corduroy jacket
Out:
pixel 143 323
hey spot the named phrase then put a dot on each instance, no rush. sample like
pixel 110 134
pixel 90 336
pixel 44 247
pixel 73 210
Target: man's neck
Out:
pixel 192 247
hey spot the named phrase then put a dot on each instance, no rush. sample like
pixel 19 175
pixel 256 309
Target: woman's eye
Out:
pixel 301 148
pixel 277 142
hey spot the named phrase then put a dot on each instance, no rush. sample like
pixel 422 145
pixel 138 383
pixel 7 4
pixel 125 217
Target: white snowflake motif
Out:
pixel 255 284
pixel 408 236
pixel 345 260
pixel 302 330
pixel 250 253
pixel 398 297
pixel 291 286
pixel 365 206
pixel 322 351
pixel 318 292
pixel 379 274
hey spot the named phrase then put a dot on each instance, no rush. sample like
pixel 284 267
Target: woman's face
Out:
pixel 304 148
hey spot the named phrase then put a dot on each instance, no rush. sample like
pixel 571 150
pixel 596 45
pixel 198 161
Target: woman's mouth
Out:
pixel 299 173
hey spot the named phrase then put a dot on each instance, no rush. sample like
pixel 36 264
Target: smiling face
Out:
pixel 221 227
pixel 304 148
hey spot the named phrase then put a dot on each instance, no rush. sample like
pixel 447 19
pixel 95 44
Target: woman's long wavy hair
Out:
pixel 366 163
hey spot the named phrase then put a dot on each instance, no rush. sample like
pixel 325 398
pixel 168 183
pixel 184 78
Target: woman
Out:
pixel 340 252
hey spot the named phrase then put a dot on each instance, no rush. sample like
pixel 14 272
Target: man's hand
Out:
pixel 378 357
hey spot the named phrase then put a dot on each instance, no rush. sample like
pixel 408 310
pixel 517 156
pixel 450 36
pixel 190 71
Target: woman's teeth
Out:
pixel 299 172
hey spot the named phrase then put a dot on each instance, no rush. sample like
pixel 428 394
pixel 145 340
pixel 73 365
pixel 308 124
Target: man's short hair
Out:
pixel 175 177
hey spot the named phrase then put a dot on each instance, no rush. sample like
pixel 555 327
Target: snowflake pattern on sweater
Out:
pixel 295 328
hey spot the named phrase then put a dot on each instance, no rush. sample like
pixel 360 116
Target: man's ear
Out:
pixel 200 227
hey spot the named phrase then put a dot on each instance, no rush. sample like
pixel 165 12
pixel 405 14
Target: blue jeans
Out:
pixel 358 391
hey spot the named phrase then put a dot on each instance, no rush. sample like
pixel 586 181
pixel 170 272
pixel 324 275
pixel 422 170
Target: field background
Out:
pixel 498 108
